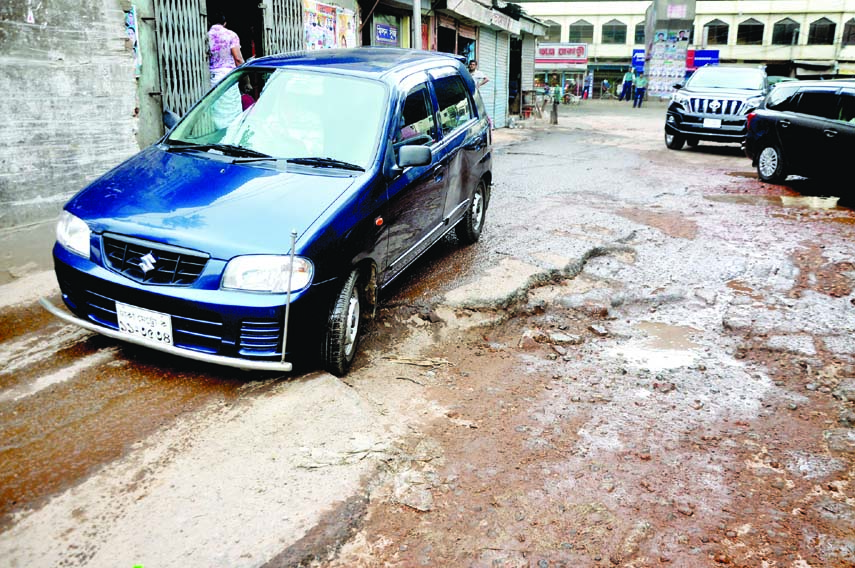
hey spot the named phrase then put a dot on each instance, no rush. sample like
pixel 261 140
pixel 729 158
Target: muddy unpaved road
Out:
pixel 647 360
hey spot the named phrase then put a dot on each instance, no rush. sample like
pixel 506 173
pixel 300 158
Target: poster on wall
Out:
pixel 320 23
pixel 667 64
pixel 345 28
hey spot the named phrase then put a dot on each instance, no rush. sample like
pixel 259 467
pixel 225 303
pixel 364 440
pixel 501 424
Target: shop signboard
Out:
pixel 384 34
pixel 559 56
pixel 638 60
pixel 701 57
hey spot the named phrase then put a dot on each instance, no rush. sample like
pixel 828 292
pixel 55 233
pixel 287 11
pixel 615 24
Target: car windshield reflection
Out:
pixel 288 113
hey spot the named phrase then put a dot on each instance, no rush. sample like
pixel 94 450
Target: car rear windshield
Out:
pixel 290 113
pixel 726 78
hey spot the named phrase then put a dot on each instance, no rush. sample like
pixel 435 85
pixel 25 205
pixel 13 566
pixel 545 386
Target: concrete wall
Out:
pixel 67 114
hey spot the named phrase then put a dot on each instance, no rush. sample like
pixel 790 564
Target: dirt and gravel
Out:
pixel 648 360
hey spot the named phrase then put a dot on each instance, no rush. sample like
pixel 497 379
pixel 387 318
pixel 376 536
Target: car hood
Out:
pixel 207 204
pixel 709 93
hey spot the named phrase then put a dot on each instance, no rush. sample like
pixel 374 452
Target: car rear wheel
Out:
pixel 770 165
pixel 342 332
pixel 674 141
pixel 469 228
pixel 692 142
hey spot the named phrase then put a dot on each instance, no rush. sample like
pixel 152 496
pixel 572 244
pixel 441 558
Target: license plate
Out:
pixel 145 324
pixel 712 123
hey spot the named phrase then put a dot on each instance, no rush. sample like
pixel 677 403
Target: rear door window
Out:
pixel 782 98
pixel 455 108
pixel 823 104
pixel 847 107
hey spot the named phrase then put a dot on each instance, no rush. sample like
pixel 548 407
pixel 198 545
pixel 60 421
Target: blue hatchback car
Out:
pixel 264 224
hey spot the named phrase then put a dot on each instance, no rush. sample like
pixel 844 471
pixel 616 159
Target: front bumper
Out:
pixel 235 362
pixel 232 328
pixel 691 125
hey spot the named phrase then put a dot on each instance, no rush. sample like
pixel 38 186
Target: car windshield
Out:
pixel 726 78
pixel 291 114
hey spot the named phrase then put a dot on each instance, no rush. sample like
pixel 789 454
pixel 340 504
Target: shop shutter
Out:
pixel 500 78
pixel 287 32
pixel 182 46
pixel 487 64
pixel 528 51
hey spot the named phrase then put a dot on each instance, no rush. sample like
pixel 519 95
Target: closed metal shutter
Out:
pixel 487 64
pixel 500 78
pixel 182 46
pixel 528 49
pixel 286 32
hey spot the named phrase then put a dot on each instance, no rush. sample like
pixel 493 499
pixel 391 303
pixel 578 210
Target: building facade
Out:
pixel 796 38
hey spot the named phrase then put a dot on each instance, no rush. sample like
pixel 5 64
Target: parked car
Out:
pixel 805 128
pixel 263 225
pixel 713 104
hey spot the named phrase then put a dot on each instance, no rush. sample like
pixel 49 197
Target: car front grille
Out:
pixel 717 106
pixel 152 263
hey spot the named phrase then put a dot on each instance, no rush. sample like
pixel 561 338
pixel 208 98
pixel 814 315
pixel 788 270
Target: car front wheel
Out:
pixel 469 228
pixel 674 141
pixel 342 332
pixel 770 165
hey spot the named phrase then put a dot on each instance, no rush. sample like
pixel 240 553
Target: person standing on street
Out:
pixel 556 98
pixel 225 55
pixel 640 90
pixel 478 76
pixel 628 81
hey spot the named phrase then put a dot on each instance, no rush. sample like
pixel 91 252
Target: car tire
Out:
pixel 468 230
pixel 770 164
pixel 342 332
pixel 692 142
pixel 674 141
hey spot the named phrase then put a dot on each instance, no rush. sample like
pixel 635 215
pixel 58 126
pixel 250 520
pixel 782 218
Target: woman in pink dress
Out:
pixel 225 55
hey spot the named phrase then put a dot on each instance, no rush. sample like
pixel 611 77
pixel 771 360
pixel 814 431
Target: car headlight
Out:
pixel 73 234
pixel 753 102
pixel 267 273
pixel 680 98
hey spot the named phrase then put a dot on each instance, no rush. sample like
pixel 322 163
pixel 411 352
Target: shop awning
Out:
pixel 477 14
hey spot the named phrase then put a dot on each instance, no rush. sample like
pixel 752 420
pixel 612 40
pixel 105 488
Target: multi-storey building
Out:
pixel 796 38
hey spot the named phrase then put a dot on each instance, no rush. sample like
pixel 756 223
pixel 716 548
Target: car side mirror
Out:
pixel 414 156
pixel 677 85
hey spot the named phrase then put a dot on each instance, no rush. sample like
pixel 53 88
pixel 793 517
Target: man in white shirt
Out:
pixel 478 76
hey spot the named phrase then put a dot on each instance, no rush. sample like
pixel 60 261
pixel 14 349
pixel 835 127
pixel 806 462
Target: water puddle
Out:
pixel 663 347
pixel 798 201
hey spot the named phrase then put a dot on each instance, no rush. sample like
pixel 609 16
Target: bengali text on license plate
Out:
pixel 712 123
pixel 145 324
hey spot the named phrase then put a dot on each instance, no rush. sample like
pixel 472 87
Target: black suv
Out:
pixel 805 128
pixel 713 104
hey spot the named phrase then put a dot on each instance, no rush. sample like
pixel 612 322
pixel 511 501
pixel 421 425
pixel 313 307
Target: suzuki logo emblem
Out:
pixel 146 263
pixel 715 105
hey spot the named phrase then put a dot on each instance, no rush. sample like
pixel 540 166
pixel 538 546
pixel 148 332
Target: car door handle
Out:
pixel 784 123
pixel 831 133
pixel 438 172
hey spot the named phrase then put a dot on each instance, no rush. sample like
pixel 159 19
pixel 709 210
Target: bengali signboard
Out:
pixel 384 34
pixel 561 56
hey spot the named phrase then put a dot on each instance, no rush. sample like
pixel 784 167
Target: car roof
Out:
pixel 376 62
pixel 831 83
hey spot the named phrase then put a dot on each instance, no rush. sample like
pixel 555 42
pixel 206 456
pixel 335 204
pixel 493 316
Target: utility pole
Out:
pixel 417 24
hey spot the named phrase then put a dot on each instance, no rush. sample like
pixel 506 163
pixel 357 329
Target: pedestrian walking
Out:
pixel 588 86
pixel 628 81
pixel 224 56
pixel 640 90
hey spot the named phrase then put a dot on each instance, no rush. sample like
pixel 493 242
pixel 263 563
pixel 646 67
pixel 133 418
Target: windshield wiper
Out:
pixel 228 149
pixel 325 163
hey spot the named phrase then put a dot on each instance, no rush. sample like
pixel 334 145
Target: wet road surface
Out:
pixel 593 231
